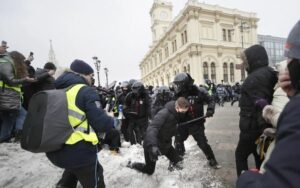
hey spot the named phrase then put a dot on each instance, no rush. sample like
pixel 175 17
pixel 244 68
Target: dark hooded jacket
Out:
pixel 82 153
pixel 258 85
pixel 162 128
pixel 44 81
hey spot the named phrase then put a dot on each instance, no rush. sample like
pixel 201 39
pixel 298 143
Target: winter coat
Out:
pixel 11 97
pixel 45 81
pixel 162 128
pixel 137 107
pixel 258 85
pixel 82 153
pixel 283 167
pixel 197 98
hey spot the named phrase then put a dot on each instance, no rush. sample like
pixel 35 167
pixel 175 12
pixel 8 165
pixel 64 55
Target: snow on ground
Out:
pixel 19 168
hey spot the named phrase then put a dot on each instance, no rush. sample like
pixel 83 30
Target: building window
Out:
pixel 160 56
pixel 213 72
pixel 225 72
pixel 224 34
pixel 155 61
pixel 231 72
pixel 189 69
pixel 174 45
pixel 166 51
pixel 162 81
pixel 184 37
pixel 229 34
pixel 184 69
pixel 205 71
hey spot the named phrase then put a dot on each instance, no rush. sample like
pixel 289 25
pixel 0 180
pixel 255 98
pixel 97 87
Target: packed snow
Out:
pixel 19 168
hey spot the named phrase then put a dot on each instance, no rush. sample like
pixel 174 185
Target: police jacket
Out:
pixel 82 153
pixel 162 128
pixel 137 107
pixel 197 98
pixel 283 167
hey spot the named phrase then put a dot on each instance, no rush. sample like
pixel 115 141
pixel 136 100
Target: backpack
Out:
pixel 46 127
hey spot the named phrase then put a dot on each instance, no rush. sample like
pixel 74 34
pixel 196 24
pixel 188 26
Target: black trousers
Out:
pixel 124 128
pixel 136 130
pixel 112 138
pixel 149 167
pixel 197 131
pixel 242 152
pixel 89 177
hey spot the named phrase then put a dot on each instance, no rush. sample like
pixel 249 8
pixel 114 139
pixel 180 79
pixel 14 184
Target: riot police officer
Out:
pixel 137 111
pixel 184 87
pixel 160 98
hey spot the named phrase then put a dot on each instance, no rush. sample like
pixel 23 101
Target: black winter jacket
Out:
pixel 162 128
pixel 137 107
pixel 258 85
pixel 197 98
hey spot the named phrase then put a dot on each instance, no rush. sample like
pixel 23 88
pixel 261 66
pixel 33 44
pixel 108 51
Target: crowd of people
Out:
pixel 139 114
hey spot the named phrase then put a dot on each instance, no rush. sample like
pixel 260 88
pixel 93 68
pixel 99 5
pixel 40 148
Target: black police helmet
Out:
pixel 138 88
pixel 182 82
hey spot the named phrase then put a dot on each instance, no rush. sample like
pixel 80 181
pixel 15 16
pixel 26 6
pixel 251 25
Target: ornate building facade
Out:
pixel 203 40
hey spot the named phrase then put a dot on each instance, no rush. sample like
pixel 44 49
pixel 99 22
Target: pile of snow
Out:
pixel 19 168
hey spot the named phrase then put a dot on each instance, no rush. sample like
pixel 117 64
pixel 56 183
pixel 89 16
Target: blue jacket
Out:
pixel 82 153
pixel 283 167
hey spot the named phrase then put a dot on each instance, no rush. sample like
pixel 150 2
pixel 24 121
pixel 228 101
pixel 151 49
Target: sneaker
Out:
pixel 214 164
pixel 177 166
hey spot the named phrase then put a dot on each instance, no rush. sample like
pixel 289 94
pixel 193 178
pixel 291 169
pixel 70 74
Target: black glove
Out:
pixel 209 113
pixel 154 153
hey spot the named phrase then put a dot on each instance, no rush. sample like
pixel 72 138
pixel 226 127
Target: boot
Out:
pixel 175 166
pixel 214 164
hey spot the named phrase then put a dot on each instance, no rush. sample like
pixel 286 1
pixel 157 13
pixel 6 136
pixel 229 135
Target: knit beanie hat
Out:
pixel 81 67
pixel 292 46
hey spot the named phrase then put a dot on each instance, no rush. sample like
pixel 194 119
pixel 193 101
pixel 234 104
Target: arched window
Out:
pixel 213 72
pixel 184 69
pixel 231 72
pixel 225 72
pixel 205 71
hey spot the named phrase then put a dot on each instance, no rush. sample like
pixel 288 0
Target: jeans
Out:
pixel 8 122
pixel 20 119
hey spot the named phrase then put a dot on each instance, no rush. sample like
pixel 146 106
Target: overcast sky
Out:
pixel 117 31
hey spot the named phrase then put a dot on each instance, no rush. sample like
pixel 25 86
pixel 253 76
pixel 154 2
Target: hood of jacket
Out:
pixel 257 57
pixel 67 79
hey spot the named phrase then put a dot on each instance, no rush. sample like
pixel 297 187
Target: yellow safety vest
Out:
pixel 209 90
pixel 78 117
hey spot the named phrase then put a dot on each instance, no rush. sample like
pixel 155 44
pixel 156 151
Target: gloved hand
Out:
pixel 261 103
pixel 209 113
pixel 154 153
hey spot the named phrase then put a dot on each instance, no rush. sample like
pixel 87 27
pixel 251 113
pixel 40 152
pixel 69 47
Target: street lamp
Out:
pixel 244 26
pixel 97 63
pixel 106 76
